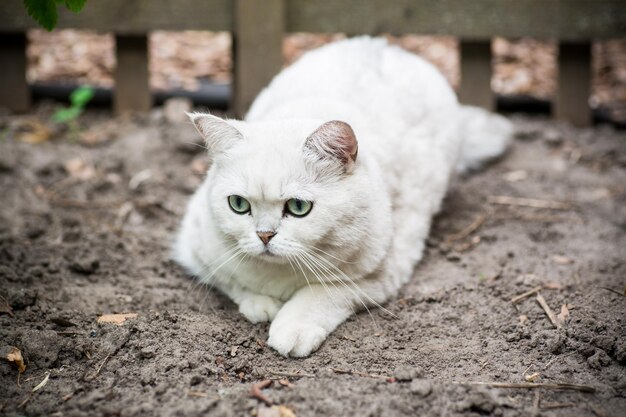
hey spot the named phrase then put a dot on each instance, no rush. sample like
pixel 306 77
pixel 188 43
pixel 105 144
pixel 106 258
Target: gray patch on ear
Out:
pixel 218 134
pixel 336 140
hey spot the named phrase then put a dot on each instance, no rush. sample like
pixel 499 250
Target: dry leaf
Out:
pixel 515 176
pixel 79 169
pixel 15 355
pixel 275 411
pixel 562 260
pixel 117 319
pixel 563 316
pixel 532 377
pixel 285 383
pixel 33 131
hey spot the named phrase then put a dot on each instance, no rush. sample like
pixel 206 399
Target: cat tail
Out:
pixel 486 135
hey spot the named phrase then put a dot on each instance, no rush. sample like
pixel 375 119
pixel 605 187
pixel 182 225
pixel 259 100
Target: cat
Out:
pixel 318 204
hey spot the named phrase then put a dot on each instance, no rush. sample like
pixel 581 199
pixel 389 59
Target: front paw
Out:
pixel 295 339
pixel 259 308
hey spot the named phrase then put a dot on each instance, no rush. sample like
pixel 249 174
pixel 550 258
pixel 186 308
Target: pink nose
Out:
pixel 265 236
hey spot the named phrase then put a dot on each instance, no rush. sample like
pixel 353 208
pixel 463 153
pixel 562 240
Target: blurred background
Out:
pixel 189 60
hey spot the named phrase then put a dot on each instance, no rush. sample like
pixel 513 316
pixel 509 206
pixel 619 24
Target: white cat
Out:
pixel 318 204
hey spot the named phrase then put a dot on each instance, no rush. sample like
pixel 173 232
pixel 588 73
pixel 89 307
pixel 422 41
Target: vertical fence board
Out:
pixel 257 48
pixel 476 74
pixel 132 89
pixel 574 83
pixel 14 92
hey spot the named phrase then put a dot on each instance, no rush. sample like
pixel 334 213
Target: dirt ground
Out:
pixel 85 230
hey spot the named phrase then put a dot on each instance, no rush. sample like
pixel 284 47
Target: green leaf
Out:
pixel 66 115
pixel 75 5
pixel 81 96
pixel 43 11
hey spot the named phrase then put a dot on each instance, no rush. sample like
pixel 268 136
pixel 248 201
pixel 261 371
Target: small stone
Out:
pixel 195 380
pixel 407 373
pixel 552 137
pixel 85 266
pixel 453 257
pixel 421 387
pixel 147 352
pixel 605 343
pixel 599 360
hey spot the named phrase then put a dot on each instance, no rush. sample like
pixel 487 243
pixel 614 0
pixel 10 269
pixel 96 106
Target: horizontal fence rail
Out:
pixel 259 25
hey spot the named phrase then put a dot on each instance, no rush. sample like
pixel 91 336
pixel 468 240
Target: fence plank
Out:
pixel 574 83
pixel 469 19
pixel 129 16
pixel 475 19
pixel 132 89
pixel 14 93
pixel 257 48
pixel 476 73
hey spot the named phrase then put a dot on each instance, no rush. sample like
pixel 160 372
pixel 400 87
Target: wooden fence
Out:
pixel 258 27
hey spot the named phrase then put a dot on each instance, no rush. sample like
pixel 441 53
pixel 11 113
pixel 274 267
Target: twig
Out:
pixel 358 373
pixel 531 385
pixel 471 228
pixel 556 358
pixel 92 377
pixel 255 391
pixel 614 291
pixel 5 307
pixel 42 383
pixel 527 294
pixel 548 310
pixel 290 374
pixel 528 202
pixel 37 387
pixel 197 394
pixel 557 405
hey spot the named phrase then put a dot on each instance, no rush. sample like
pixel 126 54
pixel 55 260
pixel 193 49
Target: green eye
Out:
pixel 298 208
pixel 239 204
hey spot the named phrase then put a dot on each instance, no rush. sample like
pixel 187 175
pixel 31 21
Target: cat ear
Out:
pixel 334 140
pixel 218 134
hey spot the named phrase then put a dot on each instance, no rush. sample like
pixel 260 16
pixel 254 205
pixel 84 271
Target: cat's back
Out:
pixel 358 78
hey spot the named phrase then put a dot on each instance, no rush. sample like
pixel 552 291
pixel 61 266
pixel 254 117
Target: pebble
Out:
pixel 407 373
pixel 599 360
pixel 421 387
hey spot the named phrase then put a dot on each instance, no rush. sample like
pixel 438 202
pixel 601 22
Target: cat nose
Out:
pixel 265 236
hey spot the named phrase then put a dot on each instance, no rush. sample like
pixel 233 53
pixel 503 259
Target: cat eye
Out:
pixel 298 208
pixel 239 204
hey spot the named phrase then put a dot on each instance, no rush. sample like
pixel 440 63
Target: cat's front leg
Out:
pixel 257 308
pixel 305 321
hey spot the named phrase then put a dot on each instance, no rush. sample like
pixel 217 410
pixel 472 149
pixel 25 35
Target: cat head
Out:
pixel 280 189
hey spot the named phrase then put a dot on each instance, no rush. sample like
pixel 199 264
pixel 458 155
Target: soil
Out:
pixel 85 230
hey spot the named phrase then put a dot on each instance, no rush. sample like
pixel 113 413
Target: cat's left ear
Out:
pixel 334 140
pixel 218 134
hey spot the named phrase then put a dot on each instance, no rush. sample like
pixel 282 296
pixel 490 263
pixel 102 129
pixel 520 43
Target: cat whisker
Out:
pixel 335 258
pixel 315 262
pixel 321 281
pixel 327 271
pixel 355 285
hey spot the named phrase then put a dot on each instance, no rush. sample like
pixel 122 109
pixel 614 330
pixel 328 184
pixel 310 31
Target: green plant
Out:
pixel 45 11
pixel 78 100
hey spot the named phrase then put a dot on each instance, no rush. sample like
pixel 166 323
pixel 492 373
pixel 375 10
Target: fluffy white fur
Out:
pixel 370 216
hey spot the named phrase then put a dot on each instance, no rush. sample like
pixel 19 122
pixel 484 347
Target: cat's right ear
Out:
pixel 218 134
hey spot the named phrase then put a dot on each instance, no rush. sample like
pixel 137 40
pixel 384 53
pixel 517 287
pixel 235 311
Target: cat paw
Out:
pixel 296 340
pixel 259 308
